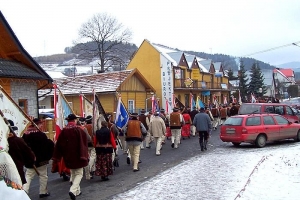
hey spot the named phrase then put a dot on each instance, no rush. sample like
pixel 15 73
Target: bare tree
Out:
pixel 101 37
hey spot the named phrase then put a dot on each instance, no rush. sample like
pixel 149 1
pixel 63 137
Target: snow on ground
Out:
pixel 228 173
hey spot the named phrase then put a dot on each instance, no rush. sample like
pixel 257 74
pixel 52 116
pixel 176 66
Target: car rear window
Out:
pixel 253 121
pixel 233 121
pixel 249 109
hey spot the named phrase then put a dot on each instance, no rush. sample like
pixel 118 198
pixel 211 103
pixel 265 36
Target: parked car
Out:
pixel 258 129
pixel 276 108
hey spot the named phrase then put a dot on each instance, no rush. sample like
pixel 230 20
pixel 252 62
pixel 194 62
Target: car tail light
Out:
pixel 244 130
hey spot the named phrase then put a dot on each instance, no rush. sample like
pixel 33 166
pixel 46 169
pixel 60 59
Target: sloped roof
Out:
pixel 164 51
pixel 12 69
pixel 103 82
pixel 176 55
pixel 205 64
pixel 217 66
pixel 12 50
pixel 287 72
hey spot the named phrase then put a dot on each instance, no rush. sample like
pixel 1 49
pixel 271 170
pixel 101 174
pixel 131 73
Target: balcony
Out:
pixel 183 83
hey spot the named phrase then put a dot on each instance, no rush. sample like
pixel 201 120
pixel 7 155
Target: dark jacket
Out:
pixel 233 110
pixel 72 146
pixel 41 146
pixel 105 141
pixel 21 154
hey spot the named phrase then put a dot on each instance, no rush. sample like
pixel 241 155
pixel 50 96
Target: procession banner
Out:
pixel 12 111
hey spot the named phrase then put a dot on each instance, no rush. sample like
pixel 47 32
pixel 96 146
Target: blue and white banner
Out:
pixel 122 116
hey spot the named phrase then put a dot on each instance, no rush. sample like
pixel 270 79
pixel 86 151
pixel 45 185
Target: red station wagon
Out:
pixel 258 129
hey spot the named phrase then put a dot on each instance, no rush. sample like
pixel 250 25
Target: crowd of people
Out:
pixel 78 151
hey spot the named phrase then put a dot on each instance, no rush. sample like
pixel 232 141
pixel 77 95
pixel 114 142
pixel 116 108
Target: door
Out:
pixel 271 129
pixel 286 130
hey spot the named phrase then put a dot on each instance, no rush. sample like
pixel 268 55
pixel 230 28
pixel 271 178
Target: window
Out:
pixel 253 121
pixel 131 106
pixel 23 105
pixel 279 110
pixel 281 120
pixel 233 121
pixel 288 110
pixel 269 109
pixel 268 120
pixel 42 107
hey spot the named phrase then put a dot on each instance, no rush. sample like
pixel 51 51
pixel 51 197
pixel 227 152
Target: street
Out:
pixel 125 179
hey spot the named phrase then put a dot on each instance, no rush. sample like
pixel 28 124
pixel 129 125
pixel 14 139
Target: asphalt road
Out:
pixel 124 178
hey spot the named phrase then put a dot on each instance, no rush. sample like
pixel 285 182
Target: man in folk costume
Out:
pixel 176 122
pixel 157 129
pixel 72 146
pixel 145 121
pixel 215 113
pixel 223 114
pixel 92 152
pixel 192 115
pixel 233 110
pixel 43 148
pixel 165 118
pixel 134 131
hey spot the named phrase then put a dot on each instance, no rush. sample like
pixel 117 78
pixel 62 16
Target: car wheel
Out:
pixel 298 136
pixel 236 144
pixel 261 141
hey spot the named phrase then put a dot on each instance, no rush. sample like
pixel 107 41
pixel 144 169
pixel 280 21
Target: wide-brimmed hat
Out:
pixel 162 110
pixel 175 109
pixel 143 111
pixel 71 117
pixel 134 115
pixel 82 119
pixel 89 118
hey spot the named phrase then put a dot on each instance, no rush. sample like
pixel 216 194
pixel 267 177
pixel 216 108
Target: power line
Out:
pixel 291 44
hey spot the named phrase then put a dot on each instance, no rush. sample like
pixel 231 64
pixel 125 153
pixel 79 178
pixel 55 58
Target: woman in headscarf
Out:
pixel 104 148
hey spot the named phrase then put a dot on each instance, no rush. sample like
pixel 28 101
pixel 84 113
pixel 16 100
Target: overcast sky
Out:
pixel 232 27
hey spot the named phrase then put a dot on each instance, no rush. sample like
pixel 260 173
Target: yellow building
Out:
pixel 175 73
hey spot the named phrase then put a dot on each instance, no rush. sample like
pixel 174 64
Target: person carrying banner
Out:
pixel 72 146
pixel 19 151
pixel 43 148
pixel 91 148
pixel 192 115
pixel 165 118
pixel 145 121
pixel 134 131
pixel 223 114
pixel 176 122
pixel 216 114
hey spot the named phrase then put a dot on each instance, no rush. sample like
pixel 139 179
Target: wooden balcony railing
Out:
pixel 182 83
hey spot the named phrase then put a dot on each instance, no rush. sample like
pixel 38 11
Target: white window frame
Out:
pixel 131 107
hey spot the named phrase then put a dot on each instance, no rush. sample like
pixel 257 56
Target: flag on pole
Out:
pixel 240 98
pixel 99 113
pixel 62 109
pixel 173 101
pixel 253 100
pixel 4 131
pixel 155 106
pixel 192 101
pixel 87 107
pixel 11 110
pixel 167 105
pixel 178 104
pixel 81 105
pixel 122 115
pixel 225 100
pixel 215 100
pixel 199 103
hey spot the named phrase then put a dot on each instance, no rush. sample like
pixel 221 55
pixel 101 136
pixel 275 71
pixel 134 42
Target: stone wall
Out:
pixel 26 90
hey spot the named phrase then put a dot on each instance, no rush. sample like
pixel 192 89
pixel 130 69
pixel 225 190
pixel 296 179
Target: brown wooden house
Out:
pixel 20 75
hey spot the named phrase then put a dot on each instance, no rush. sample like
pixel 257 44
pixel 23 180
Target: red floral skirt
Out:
pixel 104 166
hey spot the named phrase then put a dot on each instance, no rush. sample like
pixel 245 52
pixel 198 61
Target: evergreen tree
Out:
pixel 256 81
pixel 243 86
pixel 230 75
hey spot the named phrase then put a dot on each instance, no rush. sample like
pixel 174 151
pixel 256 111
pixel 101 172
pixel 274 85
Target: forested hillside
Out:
pixel 227 60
